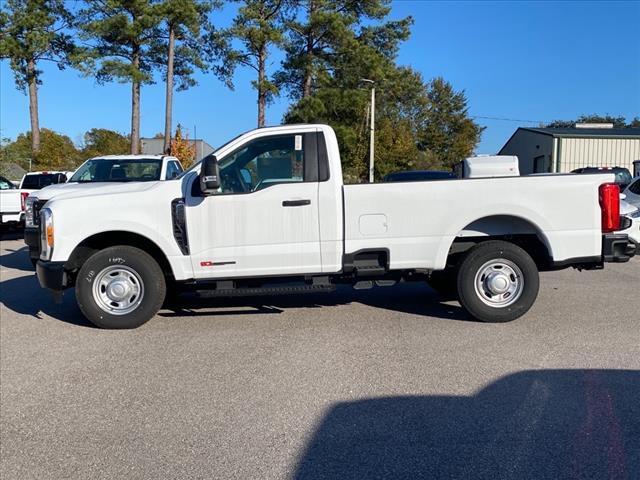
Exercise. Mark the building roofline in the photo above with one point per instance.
(606, 133)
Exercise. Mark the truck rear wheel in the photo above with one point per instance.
(120, 287)
(497, 282)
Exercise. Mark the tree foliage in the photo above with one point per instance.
(122, 35)
(257, 27)
(57, 152)
(31, 32)
(447, 132)
(315, 30)
(182, 148)
(408, 110)
(618, 122)
(179, 48)
(100, 141)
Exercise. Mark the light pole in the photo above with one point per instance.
(372, 130)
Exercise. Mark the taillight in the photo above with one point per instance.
(23, 200)
(610, 207)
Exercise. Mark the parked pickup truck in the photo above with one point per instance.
(106, 171)
(268, 213)
(11, 203)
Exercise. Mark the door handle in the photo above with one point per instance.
(295, 203)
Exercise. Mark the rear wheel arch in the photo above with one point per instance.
(510, 228)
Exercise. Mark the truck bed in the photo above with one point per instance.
(418, 221)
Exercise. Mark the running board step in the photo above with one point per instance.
(259, 291)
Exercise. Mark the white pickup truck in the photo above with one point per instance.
(268, 213)
(105, 170)
(11, 203)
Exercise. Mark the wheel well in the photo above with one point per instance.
(508, 228)
(104, 240)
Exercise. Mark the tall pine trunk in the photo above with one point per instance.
(33, 107)
(135, 107)
(308, 73)
(262, 92)
(169, 94)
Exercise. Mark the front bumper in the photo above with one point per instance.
(618, 248)
(52, 275)
(32, 239)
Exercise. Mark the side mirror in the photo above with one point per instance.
(209, 175)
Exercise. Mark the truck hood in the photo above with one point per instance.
(74, 190)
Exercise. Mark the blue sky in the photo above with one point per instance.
(535, 61)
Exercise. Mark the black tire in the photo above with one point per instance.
(444, 282)
(476, 260)
(133, 259)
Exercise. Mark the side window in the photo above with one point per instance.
(262, 163)
(635, 187)
(4, 184)
(172, 170)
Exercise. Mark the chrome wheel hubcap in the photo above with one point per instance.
(118, 290)
(499, 283)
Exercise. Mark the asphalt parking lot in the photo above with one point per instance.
(387, 383)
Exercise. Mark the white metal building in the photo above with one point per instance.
(155, 146)
(562, 150)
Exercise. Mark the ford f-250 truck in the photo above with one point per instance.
(268, 213)
(107, 169)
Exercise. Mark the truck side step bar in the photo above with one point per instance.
(259, 291)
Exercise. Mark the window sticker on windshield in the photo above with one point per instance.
(298, 142)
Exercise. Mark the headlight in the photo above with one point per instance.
(46, 234)
(28, 212)
(635, 214)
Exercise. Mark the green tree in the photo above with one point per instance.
(339, 98)
(34, 31)
(257, 27)
(618, 122)
(447, 131)
(314, 30)
(180, 48)
(122, 34)
(100, 141)
(57, 152)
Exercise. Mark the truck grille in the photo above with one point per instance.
(37, 206)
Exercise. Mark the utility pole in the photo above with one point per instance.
(372, 128)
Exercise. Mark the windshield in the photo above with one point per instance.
(41, 180)
(118, 170)
(623, 177)
(197, 164)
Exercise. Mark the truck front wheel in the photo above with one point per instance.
(120, 287)
(497, 282)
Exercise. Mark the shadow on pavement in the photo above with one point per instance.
(412, 298)
(547, 424)
(11, 233)
(17, 259)
(24, 295)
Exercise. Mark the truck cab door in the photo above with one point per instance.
(264, 220)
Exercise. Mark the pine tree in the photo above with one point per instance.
(122, 34)
(33, 31)
(180, 48)
(315, 30)
(257, 26)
